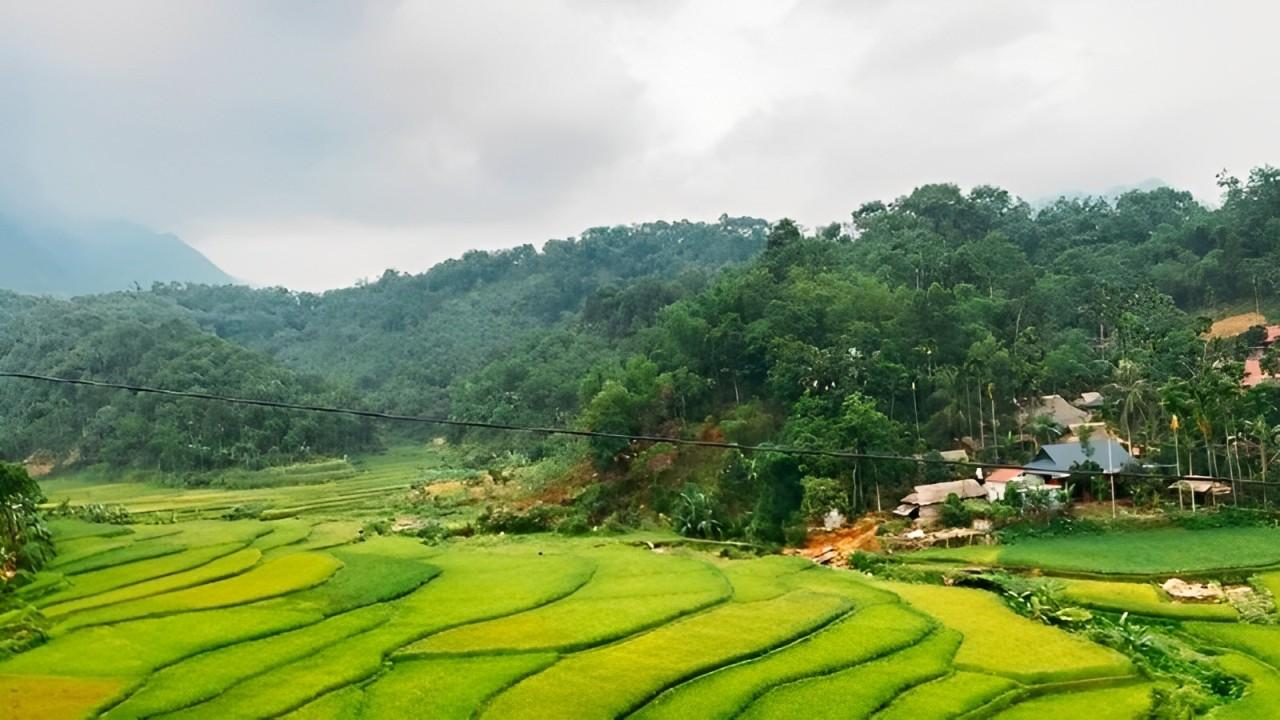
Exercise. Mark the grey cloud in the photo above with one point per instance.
(401, 133)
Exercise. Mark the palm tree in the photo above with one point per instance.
(1133, 396)
(1043, 427)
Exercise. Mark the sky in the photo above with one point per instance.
(309, 143)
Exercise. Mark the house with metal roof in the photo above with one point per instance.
(1057, 460)
(926, 501)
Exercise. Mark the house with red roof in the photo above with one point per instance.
(1253, 372)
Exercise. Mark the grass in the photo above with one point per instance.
(1163, 551)
(858, 638)
(632, 590)
(204, 676)
(85, 585)
(1260, 641)
(1263, 695)
(446, 688)
(304, 489)
(863, 689)
(54, 698)
(276, 577)
(639, 668)
(222, 567)
(118, 556)
(1001, 642)
(763, 578)
(375, 571)
(463, 593)
(344, 703)
(71, 528)
(1128, 702)
(1271, 581)
(283, 533)
(947, 697)
(1141, 599)
(141, 646)
(323, 626)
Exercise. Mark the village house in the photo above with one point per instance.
(1253, 372)
(925, 503)
(997, 482)
(1056, 408)
(1057, 461)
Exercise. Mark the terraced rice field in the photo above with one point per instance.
(294, 618)
(363, 484)
(1146, 553)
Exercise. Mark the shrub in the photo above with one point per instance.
(954, 513)
(694, 515)
(821, 496)
(537, 518)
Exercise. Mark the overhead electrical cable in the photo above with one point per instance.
(506, 427)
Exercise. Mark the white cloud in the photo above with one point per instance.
(313, 143)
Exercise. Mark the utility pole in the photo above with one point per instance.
(915, 409)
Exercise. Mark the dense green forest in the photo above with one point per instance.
(140, 339)
(920, 324)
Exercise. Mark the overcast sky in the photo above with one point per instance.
(312, 143)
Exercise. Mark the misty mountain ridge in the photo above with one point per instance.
(43, 257)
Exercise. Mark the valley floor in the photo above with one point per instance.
(303, 617)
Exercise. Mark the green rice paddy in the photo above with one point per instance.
(1164, 551)
(518, 627)
(303, 618)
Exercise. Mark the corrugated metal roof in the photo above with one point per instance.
(938, 492)
(1109, 454)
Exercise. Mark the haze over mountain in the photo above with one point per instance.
(80, 258)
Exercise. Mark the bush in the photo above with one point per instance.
(694, 515)
(821, 496)
(537, 518)
(251, 511)
(954, 513)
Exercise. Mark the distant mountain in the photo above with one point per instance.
(65, 258)
(1109, 194)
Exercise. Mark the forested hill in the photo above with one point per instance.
(923, 323)
(54, 257)
(141, 339)
(403, 340)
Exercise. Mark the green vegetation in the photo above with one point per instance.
(947, 697)
(631, 590)
(863, 636)
(1129, 702)
(204, 676)
(1260, 641)
(1263, 695)
(222, 567)
(447, 688)
(637, 669)
(863, 689)
(1144, 553)
(107, 579)
(1140, 599)
(26, 542)
(275, 577)
(388, 626)
(1000, 642)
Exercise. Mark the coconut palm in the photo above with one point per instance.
(1043, 429)
(1133, 395)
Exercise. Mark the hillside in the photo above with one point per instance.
(403, 340)
(134, 337)
(924, 324)
(60, 258)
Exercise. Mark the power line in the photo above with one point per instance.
(481, 425)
